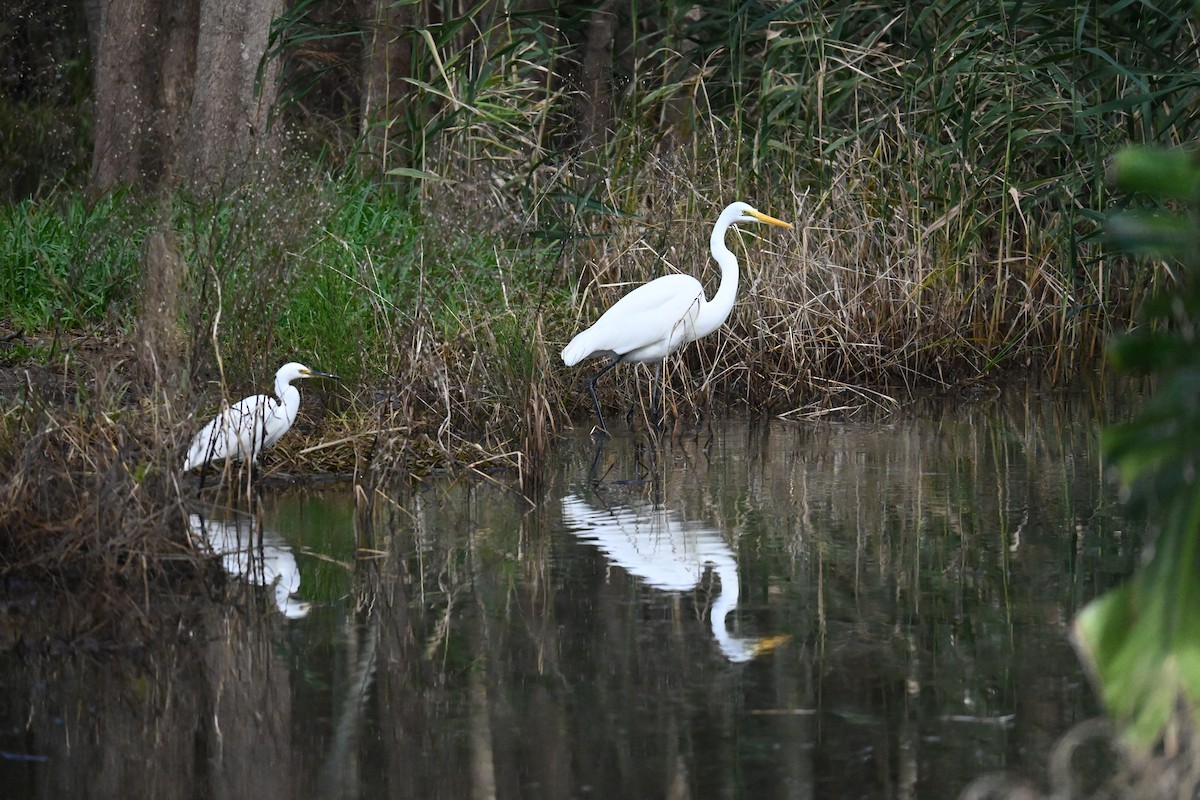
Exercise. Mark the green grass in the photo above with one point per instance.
(67, 263)
(333, 271)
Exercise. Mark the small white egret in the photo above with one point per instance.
(657, 318)
(250, 426)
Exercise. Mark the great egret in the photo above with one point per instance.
(657, 318)
(250, 426)
(670, 554)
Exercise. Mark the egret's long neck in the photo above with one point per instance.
(714, 312)
(735, 648)
(289, 399)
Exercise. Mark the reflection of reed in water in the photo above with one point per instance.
(670, 554)
(265, 562)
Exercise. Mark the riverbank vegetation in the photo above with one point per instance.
(435, 232)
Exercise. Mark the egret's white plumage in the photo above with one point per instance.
(658, 317)
(258, 555)
(671, 554)
(250, 426)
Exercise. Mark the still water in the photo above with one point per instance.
(745, 610)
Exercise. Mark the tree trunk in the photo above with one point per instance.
(230, 107)
(387, 60)
(159, 339)
(177, 100)
(93, 12)
(177, 91)
(595, 108)
(177, 71)
(126, 80)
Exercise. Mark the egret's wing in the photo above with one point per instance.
(259, 422)
(241, 430)
(656, 317)
(265, 417)
(210, 444)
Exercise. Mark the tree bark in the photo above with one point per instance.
(93, 12)
(125, 149)
(595, 108)
(387, 60)
(230, 107)
(177, 89)
(177, 71)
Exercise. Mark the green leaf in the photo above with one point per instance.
(1162, 173)
(1141, 642)
(1152, 233)
(419, 174)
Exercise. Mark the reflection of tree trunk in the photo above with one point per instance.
(483, 766)
(387, 60)
(795, 727)
(675, 762)
(249, 712)
(908, 735)
(339, 776)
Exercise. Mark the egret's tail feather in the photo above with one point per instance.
(575, 351)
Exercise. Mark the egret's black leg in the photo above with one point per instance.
(656, 397)
(595, 481)
(592, 389)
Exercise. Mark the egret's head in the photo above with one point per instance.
(294, 370)
(744, 212)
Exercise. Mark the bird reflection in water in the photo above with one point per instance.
(264, 560)
(670, 554)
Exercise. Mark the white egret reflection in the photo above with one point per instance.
(254, 554)
(669, 553)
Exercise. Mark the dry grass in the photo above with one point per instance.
(89, 505)
(856, 307)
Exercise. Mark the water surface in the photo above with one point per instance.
(741, 610)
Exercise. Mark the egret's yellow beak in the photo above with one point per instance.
(761, 217)
(769, 643)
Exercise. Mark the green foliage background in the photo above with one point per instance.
(1143, 641)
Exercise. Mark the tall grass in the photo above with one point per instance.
(88, 481)
(70, 264)
(943, 164)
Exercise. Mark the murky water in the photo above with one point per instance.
(745, 611)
